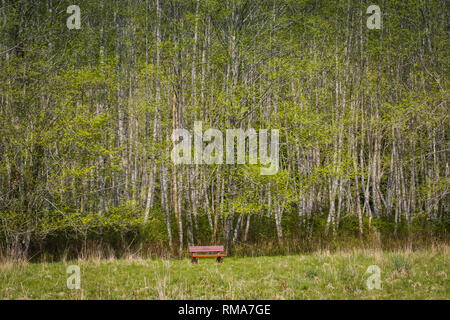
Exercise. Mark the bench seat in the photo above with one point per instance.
(207, 252)
(208, 255)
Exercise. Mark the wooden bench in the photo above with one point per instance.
(199, 252)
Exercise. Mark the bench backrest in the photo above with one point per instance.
(206, 249)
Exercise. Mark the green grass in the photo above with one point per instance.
(341, 275)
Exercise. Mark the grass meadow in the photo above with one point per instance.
(319, 275)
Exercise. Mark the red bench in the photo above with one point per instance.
(207, 252)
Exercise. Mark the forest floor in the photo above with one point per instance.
(320, 275)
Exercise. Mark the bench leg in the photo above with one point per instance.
(194, 260)
(219, 259)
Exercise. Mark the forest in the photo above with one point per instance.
(87, 111)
